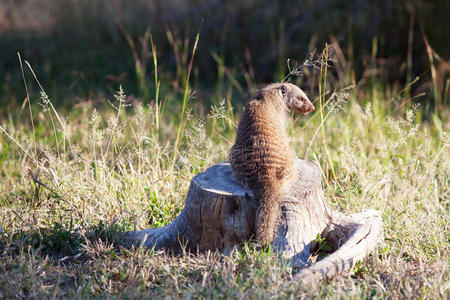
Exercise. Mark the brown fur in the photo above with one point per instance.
(261, 158)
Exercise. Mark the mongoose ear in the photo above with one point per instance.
(258, 95)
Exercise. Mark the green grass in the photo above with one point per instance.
(72, 183)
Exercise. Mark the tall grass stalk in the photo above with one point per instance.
(120, 97)
(434, 78)
(49, 102)
(27, 99)
(45, 103)
(139, 62)
(182, 116)
(157, 84)
(332, 109)
(322, 94)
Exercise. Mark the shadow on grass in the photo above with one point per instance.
(60, 240)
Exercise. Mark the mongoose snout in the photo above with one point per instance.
(261, 158)
(306, 106)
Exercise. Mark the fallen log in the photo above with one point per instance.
(219, 214)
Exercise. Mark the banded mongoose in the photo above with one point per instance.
(261, 158)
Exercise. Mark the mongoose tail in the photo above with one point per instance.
(267, 215)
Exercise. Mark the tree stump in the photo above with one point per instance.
(219, 214)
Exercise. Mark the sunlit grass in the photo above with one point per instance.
(68, 188)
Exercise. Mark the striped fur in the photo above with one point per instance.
(261, 158)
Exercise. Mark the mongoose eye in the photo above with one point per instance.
(283, 90)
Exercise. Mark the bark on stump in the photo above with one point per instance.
(219, 214)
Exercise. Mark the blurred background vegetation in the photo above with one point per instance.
(81, 50)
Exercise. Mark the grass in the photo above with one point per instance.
(71, 184)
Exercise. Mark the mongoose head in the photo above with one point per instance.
(289, 95)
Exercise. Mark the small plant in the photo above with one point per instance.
(322, 248)
(360, 269)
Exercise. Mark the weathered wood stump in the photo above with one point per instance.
(219, 214)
